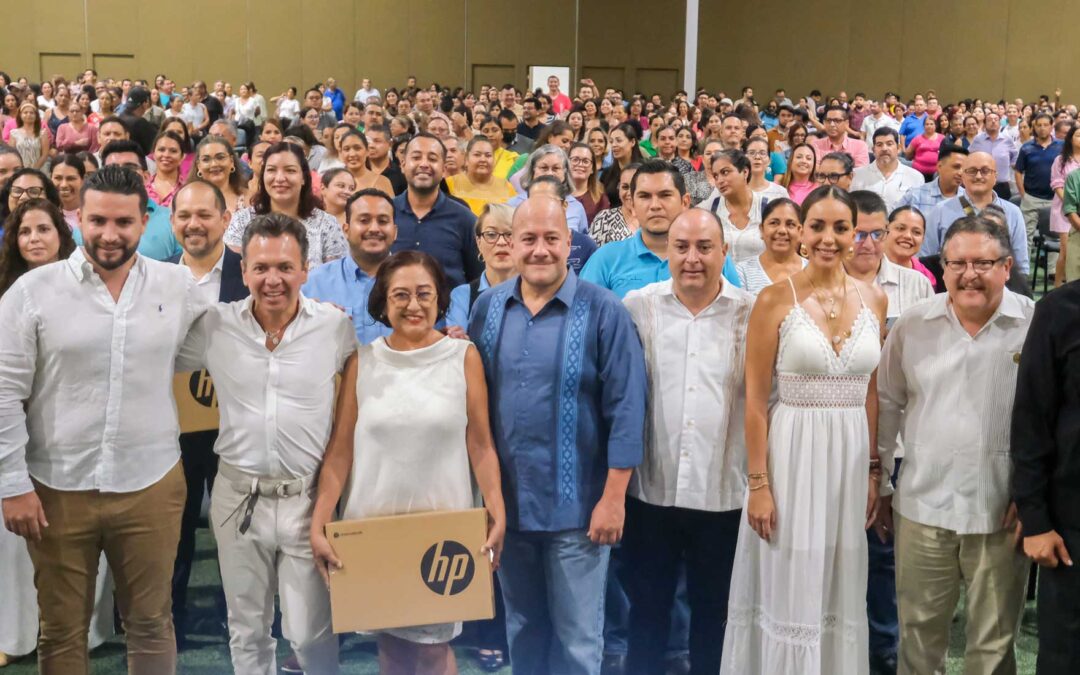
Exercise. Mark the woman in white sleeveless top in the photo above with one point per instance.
(798, 588)
(737, 206)
(411, 421)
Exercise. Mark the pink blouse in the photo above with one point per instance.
(917, 265)
(67, 137)
(799, 190)
(926, 153)
(1058, 173)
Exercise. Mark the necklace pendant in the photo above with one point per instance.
(832, 315)
(836, 339)
(275, 339)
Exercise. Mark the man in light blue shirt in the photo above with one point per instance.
(659, 194)
(979, 176)
(566, 379)
(347, 282)
(912, 125)
(947, 184)
(158, 241)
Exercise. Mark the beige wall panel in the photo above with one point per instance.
(18, 49)
(1036, 33)
(58, 27)
(114, 25)
(383, 41)
(219, 44)
(632, 34)
(327, 52)
(876, 27)
(275, 51)
(436, 41)
(165, 31)
(501, 32)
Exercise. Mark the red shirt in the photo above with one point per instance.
(560, 103)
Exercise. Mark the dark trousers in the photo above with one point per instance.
(881, 590)
(1003, 190)
(656, 539)
(1059, 613)
(200, 468)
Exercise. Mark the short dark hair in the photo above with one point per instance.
(834, 108)
(273, 225)
(68, 159)
(507, 114)
(843, 158)
(116, 180)
(532, 99)
(377, 298)
(979, 224)
(869, 202)
(114, 119)
(658, 166)
(219, 198)
(949, 149)
(903, 209)
(424, 134)
(366, 192)
(885, 131)
(1041, 116)
(379, 129)
(123, 147)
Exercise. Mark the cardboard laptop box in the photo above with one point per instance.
(410, 570)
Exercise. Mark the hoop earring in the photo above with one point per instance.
(803, 252)
(199, 174)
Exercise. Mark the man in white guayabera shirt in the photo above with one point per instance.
(946, 382)
(273, 358)
(89, 457)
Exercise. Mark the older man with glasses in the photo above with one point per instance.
(979, 176)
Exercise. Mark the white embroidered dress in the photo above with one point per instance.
(798, 603)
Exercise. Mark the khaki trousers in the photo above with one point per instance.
(138, 531)
(931, 565)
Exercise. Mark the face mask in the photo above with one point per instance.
(509, 136)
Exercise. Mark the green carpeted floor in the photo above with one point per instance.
(208, 652)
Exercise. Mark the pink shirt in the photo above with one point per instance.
(67, 137)
(799, 190)
(1058, 173)
(917, 265)
(560, 103)
(852, 146)
(926, 152)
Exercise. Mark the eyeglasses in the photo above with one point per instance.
(876, 235)
(984, 172)
(493, 237)
(833, 178)
(32, 192)
(403, 298)
(581, 161)
(980, 266)
(757, 153)
(834, 120)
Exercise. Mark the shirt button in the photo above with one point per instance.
(530, 322)
(524, 352)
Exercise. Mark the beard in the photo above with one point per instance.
(95, 254)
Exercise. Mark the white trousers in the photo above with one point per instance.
(18, 599)
(272, 556)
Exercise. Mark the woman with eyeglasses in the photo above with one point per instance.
(493, 232)
(904, 238)
(26, 184)
(781, 228)
(386, 461)
(799, 177)
(216, 163)
(583, 177)
(617, 222)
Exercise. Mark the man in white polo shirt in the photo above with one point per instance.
(886, 175)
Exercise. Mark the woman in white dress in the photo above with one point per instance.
(798, 588)
(737, 206)
(412, 419)
(781, 227)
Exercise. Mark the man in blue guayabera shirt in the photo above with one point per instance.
(566, 376)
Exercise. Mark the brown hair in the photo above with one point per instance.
(378, 297)
(12, 264)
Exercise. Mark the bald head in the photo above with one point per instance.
(542, 208)
(540, 244)
(696, 253)
(979, 174)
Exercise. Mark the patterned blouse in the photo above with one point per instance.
(608, 226)
(326, 241)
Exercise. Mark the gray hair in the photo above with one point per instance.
(540, 153)
(985, 224)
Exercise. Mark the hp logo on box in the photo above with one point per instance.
(447, 568)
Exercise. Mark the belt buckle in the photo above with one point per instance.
(280, 490)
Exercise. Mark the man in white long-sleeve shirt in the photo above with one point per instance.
(946, 382)
(273, 358)
(89, 457)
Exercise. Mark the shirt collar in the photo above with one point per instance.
(218, 266)
(83, 269)
(565, 294)
(888, 273)
(352, 271)
(440, 199)
(640, 249)
(1009, 307)
(307, 306)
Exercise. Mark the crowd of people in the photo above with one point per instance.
(744, 387)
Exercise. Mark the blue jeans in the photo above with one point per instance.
(553, 587)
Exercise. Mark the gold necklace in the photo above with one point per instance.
(831, 314)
